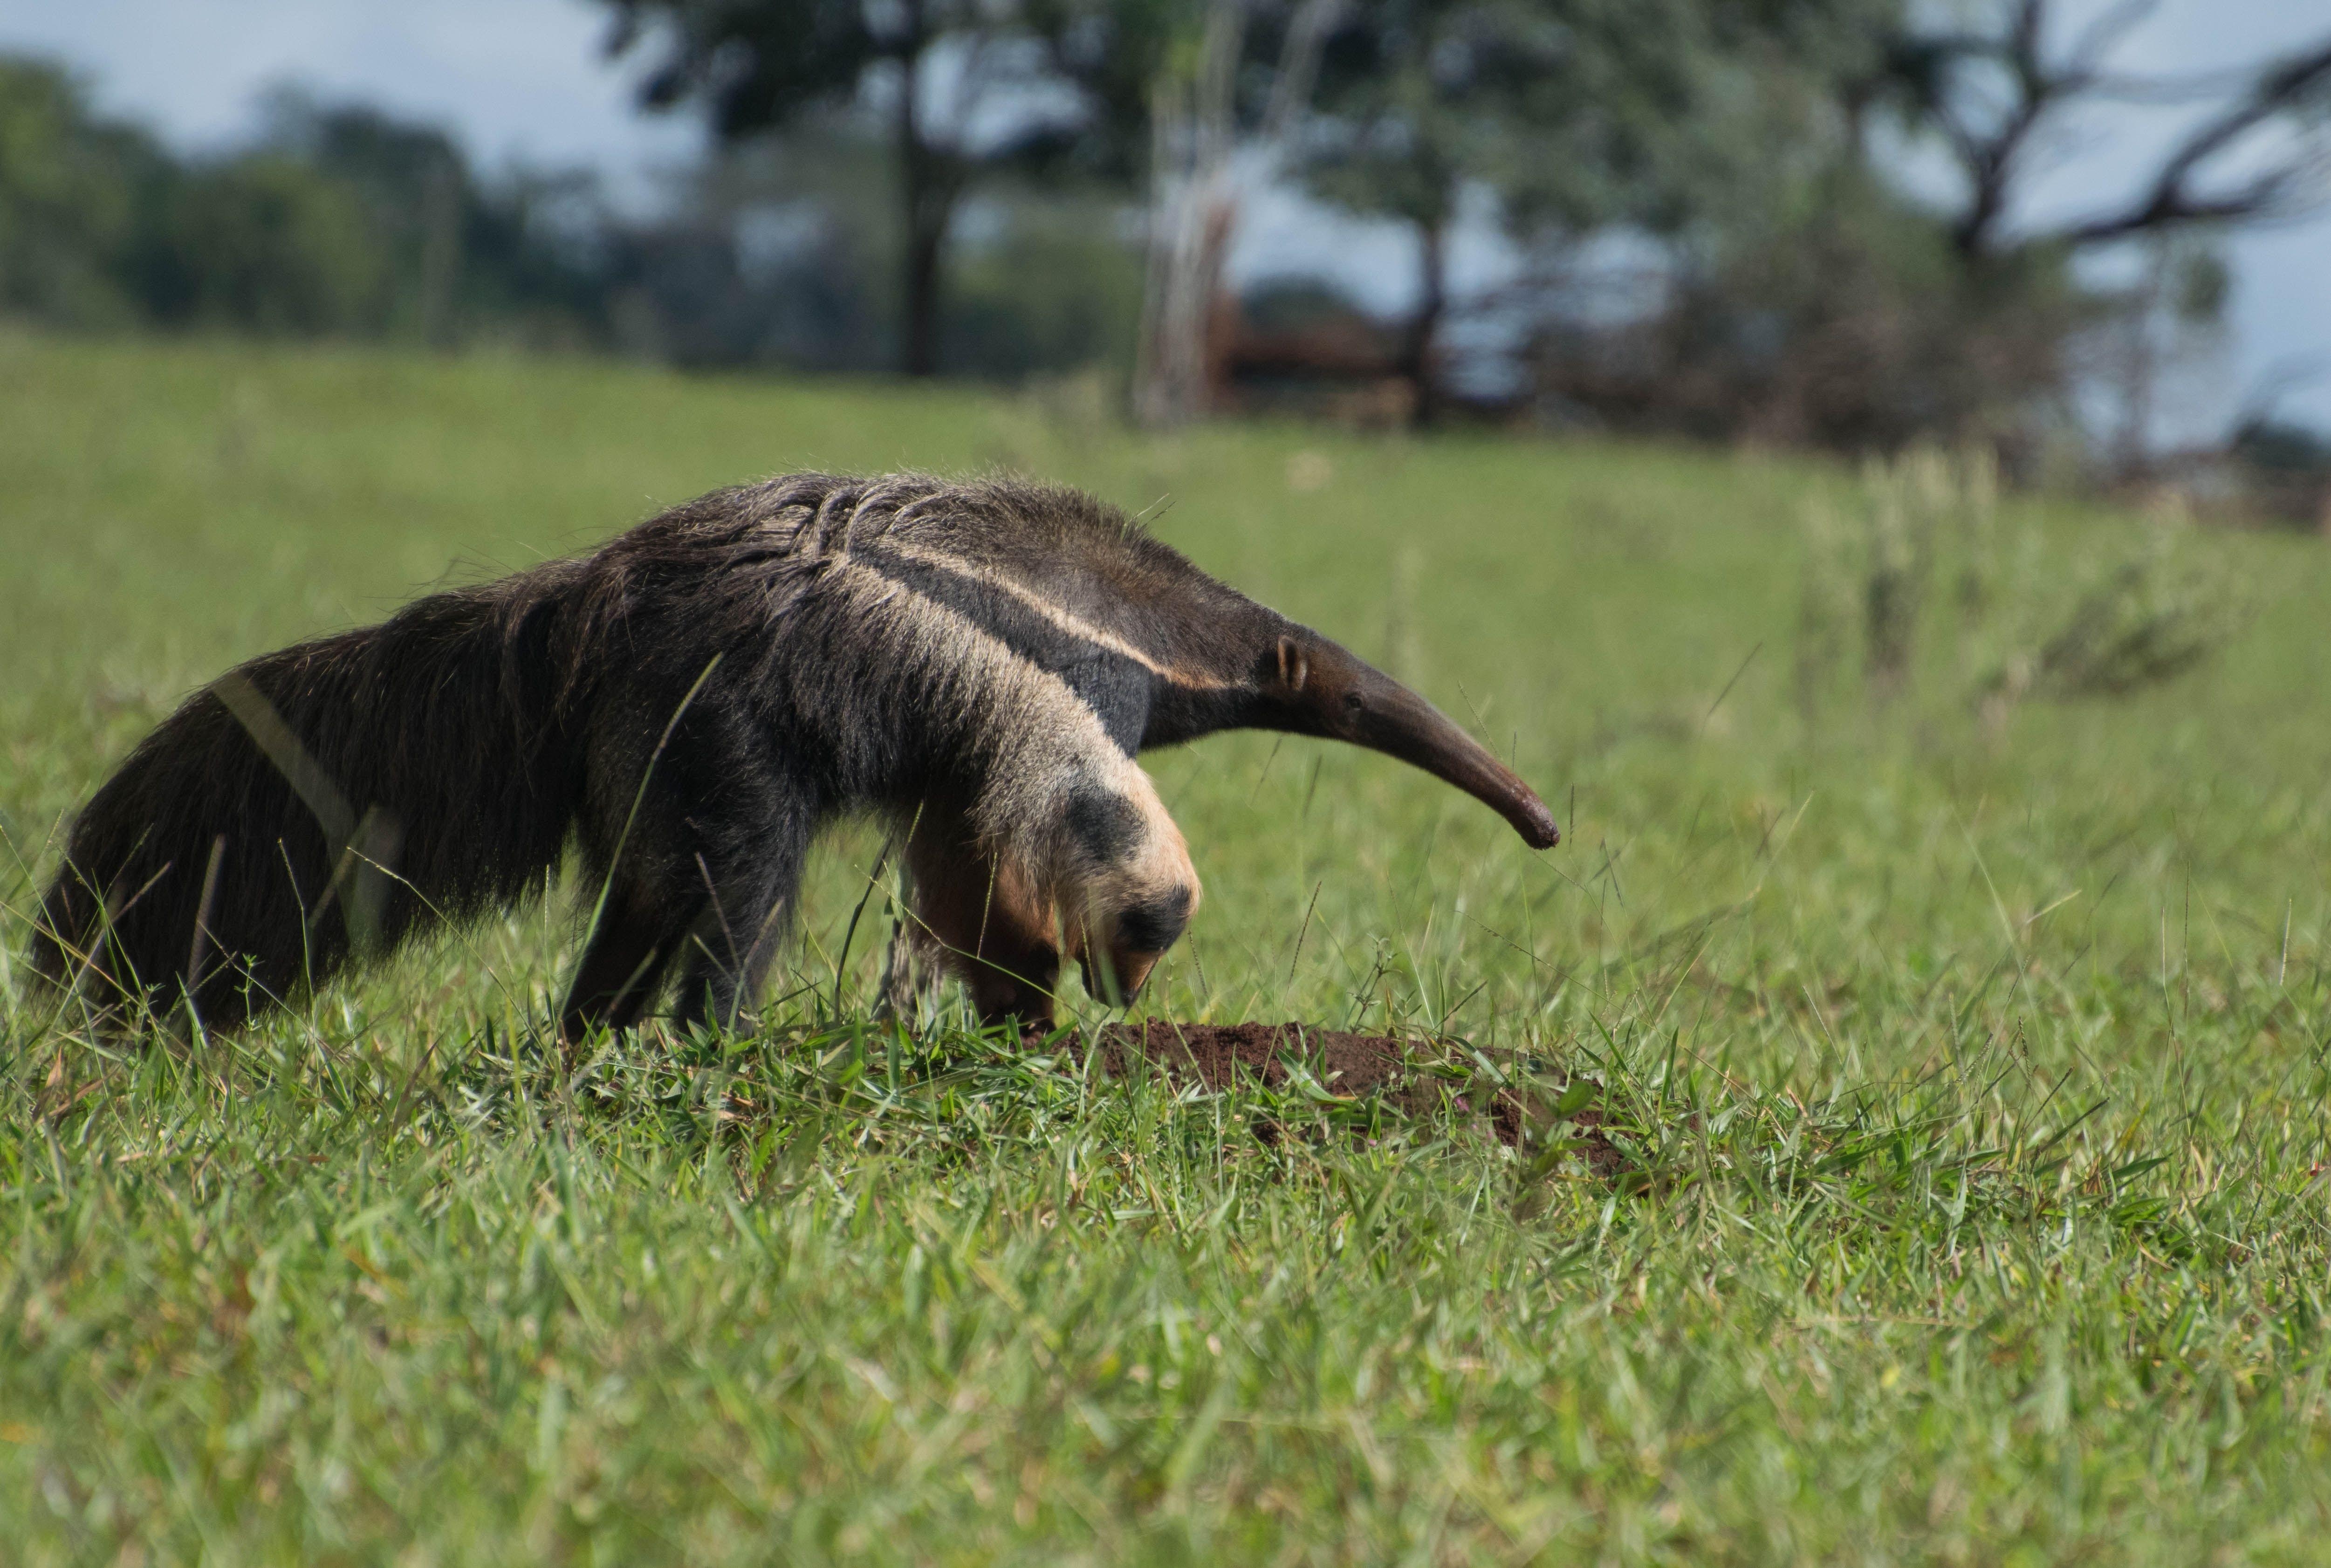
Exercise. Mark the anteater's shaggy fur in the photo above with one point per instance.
(980, 663)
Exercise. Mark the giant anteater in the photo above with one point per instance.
(980, 663)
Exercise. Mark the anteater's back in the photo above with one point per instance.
(359, 787)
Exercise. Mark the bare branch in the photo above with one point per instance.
(1299, 64)
(2174, 199)
(2163, 92)
(1991, 159)
(2105, 34)
(1994, 149)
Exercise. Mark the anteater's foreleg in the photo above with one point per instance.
(624, 966)
(992, 930)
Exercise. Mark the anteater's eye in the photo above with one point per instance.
(1352, 701)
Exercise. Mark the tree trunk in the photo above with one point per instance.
(1194, 198)
(1192, 208)
(2140, 376)
(441, 253)
(1424, 322)
(920, 345)
(927, 200)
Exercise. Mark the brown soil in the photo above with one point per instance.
(1344, 1064)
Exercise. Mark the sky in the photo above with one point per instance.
(528, 80)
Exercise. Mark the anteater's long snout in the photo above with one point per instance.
(1396, 721)
(1333, 692)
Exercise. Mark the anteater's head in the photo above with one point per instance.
(1305, 684)
(1125, 888)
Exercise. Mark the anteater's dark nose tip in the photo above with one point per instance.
(1537, 827)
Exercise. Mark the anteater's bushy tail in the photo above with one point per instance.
(342, 794)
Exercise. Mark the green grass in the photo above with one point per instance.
(1970, 1082)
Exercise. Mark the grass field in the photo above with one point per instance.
(1969, 1075)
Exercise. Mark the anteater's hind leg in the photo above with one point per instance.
(623, 968)
(745, 890)
(991, 928)
(706, 828)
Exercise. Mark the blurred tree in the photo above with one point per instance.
(519, 254)
(1791, 294)
(267, 243)
(2285, 468)
(779, 248)
(1770, 285)
(1994, 87)
(1991, 85)
(1553, 105)
(1230, 89)
(1804, 296)
(1049, 291)
(967, 87)
(338, 219)
(2171, 317)
(415, 190)
(78, 199)
(776, 250)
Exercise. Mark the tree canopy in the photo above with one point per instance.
(1707, 198)
(965, 87)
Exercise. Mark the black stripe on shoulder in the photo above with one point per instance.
(1116, 689)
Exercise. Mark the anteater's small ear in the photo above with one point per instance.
(1293, 669)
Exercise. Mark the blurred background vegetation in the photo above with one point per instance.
(1797, 223)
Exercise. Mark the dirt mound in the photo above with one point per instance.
(1344, 1064)
(1354, 1065)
